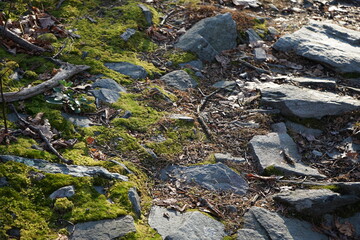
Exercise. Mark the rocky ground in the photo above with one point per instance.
(181, 120)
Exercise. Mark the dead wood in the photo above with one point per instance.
(22, 42)
(67, 70)
(259, 70)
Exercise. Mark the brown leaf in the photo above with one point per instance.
(90, 140)
(345, 228)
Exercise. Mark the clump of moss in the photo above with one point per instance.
(47, 37)
(178, 57)
(272, 170)
(63, 205)
(333, 188)
(30, 74)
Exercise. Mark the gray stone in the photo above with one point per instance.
(196, 64)
(13, 118)
(73, 170)
(304, 131)
(108, 84)
(279, 127)
(215, 177)
(305, 103)
(249, 234)
(260, 54)
(327, 43)
(351, 188)
(208, 37)
(221, 157)
(274, 150)
(105, 95)
(135, 201)
(127, 34)
(3, 182)
(123, 166)
(179, 79)
(272, 226)
(173, 225)
(326, 83)
(107, 229)
(77, 120)
(272, 31)
(314, 202)
(181, 117)
(100, 189)
(147, 13)
(128, 69)
(224, 84)
(67, 191)
(253, 37)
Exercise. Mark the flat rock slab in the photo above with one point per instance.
(105, 95)
(326, 43)
(215, 177)
(305, 131)
(272, 226)
(128, 69)
(305, 103)
(179, 79)
(73, 170)
(107, 229)
(108, 84)
(315, 202)
(67, 191)
(208, 37)
(80, 121)
(173, 225)
(326, 83)
(274, 150)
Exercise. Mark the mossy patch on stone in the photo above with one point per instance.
(272, 170)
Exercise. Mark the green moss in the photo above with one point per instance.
(142, 116)
(23, 148)
(79, 154)
(178, 57)
(333, 188)
(47, 37)
(30, 74)
(272, 170)
(63, 205)
(143, 231)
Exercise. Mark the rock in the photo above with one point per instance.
(105, 95)
(123, 166)
(304, 131)
(127, 114)
(260, 54)
(3, 182)
(67, 191)
(279, 127)
(196, 65)
(249, 234)
(326, 83)
(215, 177)
(147, 13)
(77, 120)
(179, 79)
(135, 201)
(100, 190)
(273, 32)
(253, 37)
(127, 34)
(14, 233)
(173, 225)
(108, 84)
(247, 3)
(208, 37)
(128, 69)
(314, 202)
(220, 157)
(351, 188)
(274, 150)
(181, 117)
(305, 103)
(107, 229)
(326, 43)
(224, 84)
(272, 226)
(13, 118)
(73, 170)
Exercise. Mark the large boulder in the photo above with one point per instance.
(208, 37)
(279, 151)
(215, 177)
(272, 226)
(326, 43)
(305, 103)
(107, 229)
(173, 225)
(315, 202)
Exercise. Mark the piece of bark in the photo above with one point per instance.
(67, 70)
(22, 42)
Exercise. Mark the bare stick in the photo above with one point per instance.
(259, 70)
(43, 137)
(22, 42)
(67, 70)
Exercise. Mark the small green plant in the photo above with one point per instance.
(65, 95)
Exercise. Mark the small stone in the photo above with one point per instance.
(127, 114)
(279, 127)
(77, 120)
(100, 189)
(108, 84)
(304, 131)
(105, 95)
(253, 37)
(14, 233)
(196, 64)
(224, 84)
(135, 201)
(3, 182)
(317, 153)
(179, 79)
(147, 13)
(221, 157)
(127, 34)
(67, 191)
(181, 117)
(128, 69)
(260, 54)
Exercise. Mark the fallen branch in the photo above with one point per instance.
(22, 42)
(43, 137)
(259, 70)
(67, 70)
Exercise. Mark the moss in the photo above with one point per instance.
(23, 148)
(272, 170)
(30, 74)
(234, 237)
(142, 116)
(143, 231)
(178, 57)
(63, 205)
(47, 37)
(79, 154)
(333, 188)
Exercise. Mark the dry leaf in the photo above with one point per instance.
(345, 228)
